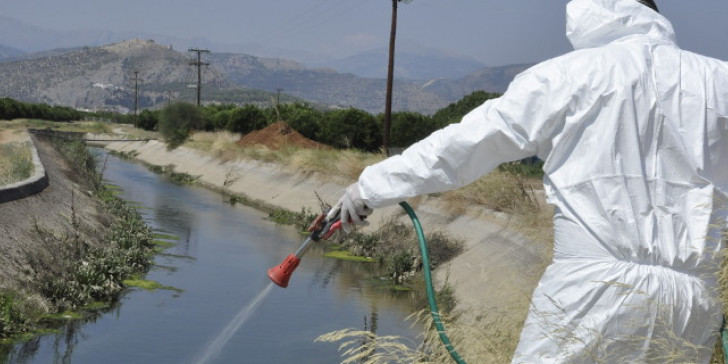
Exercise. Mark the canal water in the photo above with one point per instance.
(218, 268)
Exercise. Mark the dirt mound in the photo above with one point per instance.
(278, 135)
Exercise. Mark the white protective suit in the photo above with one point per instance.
(634, 135)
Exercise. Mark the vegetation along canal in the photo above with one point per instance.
(216, 267)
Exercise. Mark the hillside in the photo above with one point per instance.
(103, 78)
(8, 52)
(100, 77)
(325, 86)
(490, 79)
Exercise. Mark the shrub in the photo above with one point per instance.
(351, 128)
(177, 121)
(148, 120)
(409, 128)
(246, 119)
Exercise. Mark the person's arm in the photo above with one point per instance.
(515, 126)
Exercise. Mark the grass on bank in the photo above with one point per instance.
(507, 189)
(95, 127)
(16, 162)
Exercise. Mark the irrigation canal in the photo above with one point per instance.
(218, 266)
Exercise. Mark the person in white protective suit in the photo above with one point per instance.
(633, 132)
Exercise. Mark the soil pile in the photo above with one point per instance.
(278, 135)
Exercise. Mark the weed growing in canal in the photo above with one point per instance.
(300, 220)
(12, 320)
(76, 273)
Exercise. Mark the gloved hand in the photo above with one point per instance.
(350, 209)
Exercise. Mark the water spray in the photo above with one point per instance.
(322, 229)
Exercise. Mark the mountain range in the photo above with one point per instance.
(95, 69)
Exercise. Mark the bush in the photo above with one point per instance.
(303, 119)
(351, 128)
(177, 121)
(12, 321)
(454, 112)
(148, 120)
(246, 119)
(409, 128)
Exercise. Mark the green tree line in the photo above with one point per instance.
(13, 109)
(342, 128)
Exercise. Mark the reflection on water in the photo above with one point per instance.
(231, 249)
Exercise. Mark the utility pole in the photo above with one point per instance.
(199, 65)
(390, 79)
(136, 95)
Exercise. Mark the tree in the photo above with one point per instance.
(455, 111)
(303, 118)
(246, 119)
(177, 121)
(148, 120)
(351, 128)
(409, 128)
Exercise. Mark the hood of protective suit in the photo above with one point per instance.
(594, 23)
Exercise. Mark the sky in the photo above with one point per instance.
(492, 32)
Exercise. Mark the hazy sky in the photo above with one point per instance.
(493, 32)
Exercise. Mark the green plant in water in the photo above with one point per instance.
(12, 321)
(401, 263)
(300, 220)
(345, 255)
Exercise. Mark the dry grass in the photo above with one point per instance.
(16, 162)
(492, 338)
(494, 335)
(130, 132)
(222, 145)
(521, 199)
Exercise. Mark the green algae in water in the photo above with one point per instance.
(162, 244)
(160, 236)
(63, 316)
(345, 255)
(148, 285)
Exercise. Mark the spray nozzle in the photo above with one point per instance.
(320, 228)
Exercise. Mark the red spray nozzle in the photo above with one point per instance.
(320, 229)
(281, 273)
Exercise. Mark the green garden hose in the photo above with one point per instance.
(428, 281)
